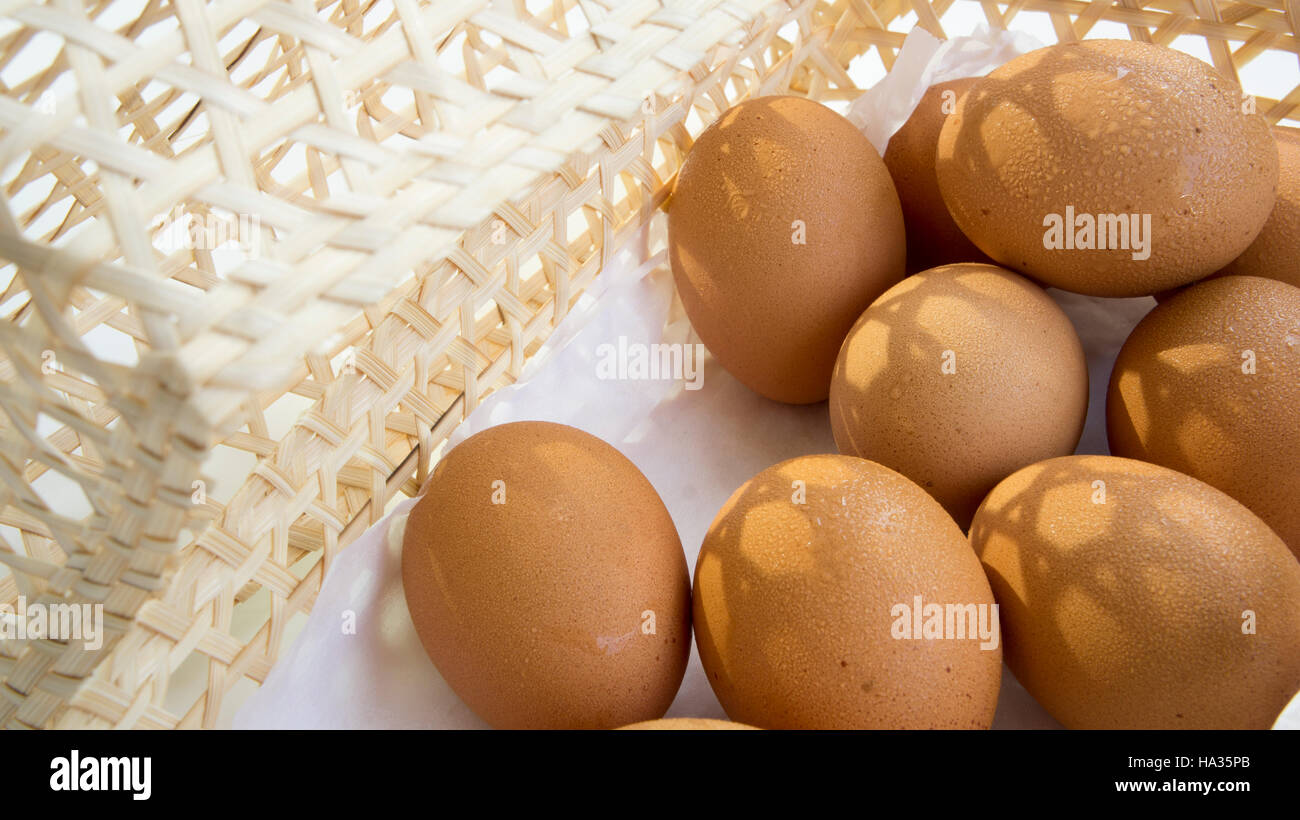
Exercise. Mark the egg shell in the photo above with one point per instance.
(1208, 384)
(1108, 129)
(547, 582)
(687, 724)
(957, 377)
(933, 238)
(782, 227)
(1275, 253)
(1127, 591)
(795, 593)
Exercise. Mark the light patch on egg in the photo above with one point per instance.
(1129, 385)
(711, 586)
(1095, 650)
(793, 524)
(934, 314)
(872, 335)
(1189, 359)
(1073, 502)
(1193, 429)
(1079, 112)
(1003, 552)
(1000, 153)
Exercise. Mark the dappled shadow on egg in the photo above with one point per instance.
(783, 225)
(1044, 111)
(889, 377)
(766, 577)
(1191, 393)
(1048, 542)
(1160, 411)
(737, 200)
(723, 574)
(1102, 135)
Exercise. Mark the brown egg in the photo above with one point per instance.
(932, 237)
(782, 227)
(1108, 167)
(1135, 597)
(547, 582)
(957, 377)
(687, 724)
(806, 595)
(1275, 253)
(1209, 384)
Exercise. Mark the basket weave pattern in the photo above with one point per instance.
(433, 184)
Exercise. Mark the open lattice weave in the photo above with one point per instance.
(358, 216)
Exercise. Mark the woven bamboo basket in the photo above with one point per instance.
(430, 185)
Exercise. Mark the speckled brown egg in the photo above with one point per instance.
(1209, 384)
(933, 238)
(782, 227)
(1108, 167)
(547, 582)
(808, 586)
(957, 377)
(687, 725)
(1136, 597)
(1275, 253)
